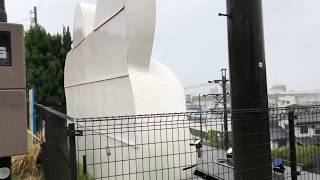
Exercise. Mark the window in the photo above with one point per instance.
(5, 49)
(304, 129)
(317, 131)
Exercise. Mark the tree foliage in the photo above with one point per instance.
(45, 60)
(216, 139)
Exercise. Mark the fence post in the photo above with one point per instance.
(84, 160)
(292, 140)
(46, 165)
(73, 152)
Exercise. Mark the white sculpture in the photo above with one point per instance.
(110, 72)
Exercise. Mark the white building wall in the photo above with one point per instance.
(310, 133)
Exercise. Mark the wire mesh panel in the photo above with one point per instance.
(164, 146)
(194, 145)
(297, 152)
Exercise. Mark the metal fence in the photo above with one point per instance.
(58, 157)
(194, 145)
(177, 145)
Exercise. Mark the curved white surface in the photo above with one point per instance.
(157, 90)
(110, 72)
(83, 23)
(106, 10)
(141, 20)
(111, 63)
(101, 56)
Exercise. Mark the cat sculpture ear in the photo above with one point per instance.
(106, 10)
(141, 30)
(83, 23)
(140, 26)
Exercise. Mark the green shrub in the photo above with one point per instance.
(305, 155)
(216, 139)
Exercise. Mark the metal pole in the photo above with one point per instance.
(292, 142)
(84, 162)
(73, 151)
(225, 113)
(200, 109)
(3, 13)
(251, 136)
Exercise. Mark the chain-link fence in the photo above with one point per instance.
(196, 145)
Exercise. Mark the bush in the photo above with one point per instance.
(305, 155)
(216, 139)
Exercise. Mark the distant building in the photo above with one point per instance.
(284, 99)
(307, 127)
(278, 97)
(279, 88)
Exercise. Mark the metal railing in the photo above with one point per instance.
(193, 145)
(59, 144)
(177, 145)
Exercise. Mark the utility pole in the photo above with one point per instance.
(3, 13)
(34, 18)
(223, 84)
(225, 110)
(251, 134)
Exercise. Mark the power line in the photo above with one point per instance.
(40, 3)
(22, 20)
(33, 14)
(196, 86)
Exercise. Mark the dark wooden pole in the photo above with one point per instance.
(251, 138)
(3, 13)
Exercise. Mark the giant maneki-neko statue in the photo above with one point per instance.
(110, 72)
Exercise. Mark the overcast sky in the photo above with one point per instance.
(192, 40)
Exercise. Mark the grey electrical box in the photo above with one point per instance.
(13, 105)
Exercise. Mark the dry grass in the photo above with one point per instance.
(25, 167)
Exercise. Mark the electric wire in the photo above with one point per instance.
(196, 86)
(21, 20)
(40, 4)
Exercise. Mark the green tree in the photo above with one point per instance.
(45, 60)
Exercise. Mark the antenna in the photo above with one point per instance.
(3, 13)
